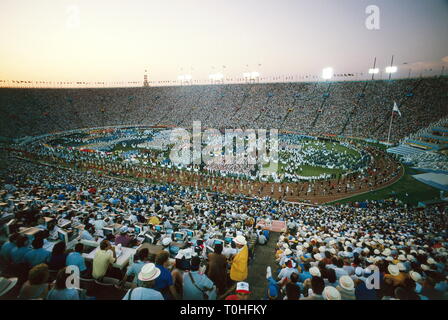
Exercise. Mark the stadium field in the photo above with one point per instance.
(407, 189)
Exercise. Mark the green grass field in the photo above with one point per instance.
(309, 170)
(416, 191)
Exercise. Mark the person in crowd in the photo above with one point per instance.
(140, 259)
(123, 238)
(346, 288)
(164, 283)
(75, 258)
(394, 276)
(146, 281)
(18, 253)
(182, 264)
(238, 269)
(217, 268)
(317, 287)
(58, 256)
(87, 232)
(37, 286)
(331, 293)
(262, 240)
(62, 289)
(38, 255)
(197, 286)
(7, 248)
(292, 292)
(330, 279)
(104, 257)
(242, 292)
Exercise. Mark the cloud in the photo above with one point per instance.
(445, 59)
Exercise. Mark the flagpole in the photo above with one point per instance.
(390, 126)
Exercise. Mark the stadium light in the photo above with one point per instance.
(327, 73)
(374, 70)
(391, 69)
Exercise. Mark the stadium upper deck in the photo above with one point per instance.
(360, 109)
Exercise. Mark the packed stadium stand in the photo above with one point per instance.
(135, 232)
(359, 108)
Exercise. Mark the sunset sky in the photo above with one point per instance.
(116, 40)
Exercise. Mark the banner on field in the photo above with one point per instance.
(272, 225)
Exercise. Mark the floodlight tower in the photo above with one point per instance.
(327, 73)
(391, 69)
(373, 71)
(145, 79)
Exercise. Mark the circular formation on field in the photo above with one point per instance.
(302, 168)
(299, 157)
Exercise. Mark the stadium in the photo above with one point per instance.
(310, 187)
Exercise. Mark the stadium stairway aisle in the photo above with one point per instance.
(264, 256)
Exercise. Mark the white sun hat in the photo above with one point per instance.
(318, 256)
(241, 240)
(315, 272)
(346, 282)
(415, 276)
(331, 293)
(370, 260)
(149, 272)
(431, 261)
(393, 270)
(401, 266)
(424, 267)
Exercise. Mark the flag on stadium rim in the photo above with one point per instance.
(396, 109)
